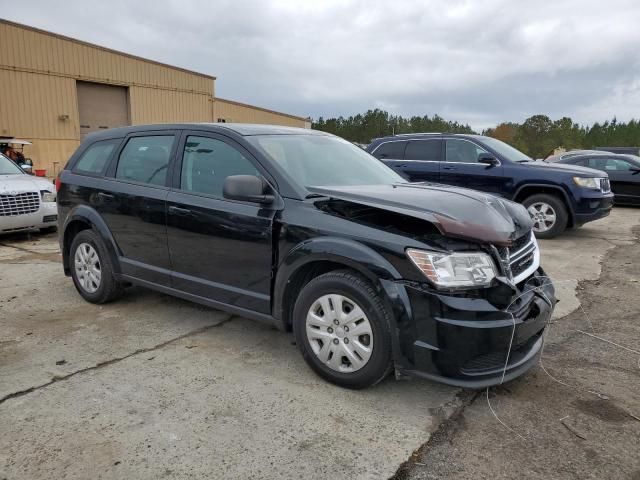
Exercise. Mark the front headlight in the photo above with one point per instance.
(473, 269)
(48, 196)
(587, 182)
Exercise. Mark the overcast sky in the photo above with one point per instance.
(478, 62)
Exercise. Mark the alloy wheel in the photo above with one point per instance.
(87, 266)
(543, 216)
(339, 333)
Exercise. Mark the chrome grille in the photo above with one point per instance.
(521, 259)
(605, 185)
(19, 204)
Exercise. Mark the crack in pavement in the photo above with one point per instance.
(112, 361)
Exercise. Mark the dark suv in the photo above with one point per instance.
(305, 231)
(556, 196)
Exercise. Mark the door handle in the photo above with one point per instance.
(179, 211)
(449, 168)
(105, 196)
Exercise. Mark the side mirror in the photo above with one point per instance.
(488, 159)
(26, 167)
(247, 188)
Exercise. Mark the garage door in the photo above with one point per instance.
(101, 107)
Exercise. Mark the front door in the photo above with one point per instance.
(625, 181)
(220, 249)
(461, 167)
(134, 204)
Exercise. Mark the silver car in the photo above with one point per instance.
(26, 202)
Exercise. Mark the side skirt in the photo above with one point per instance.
(242, 312)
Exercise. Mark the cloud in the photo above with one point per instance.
(476, 62)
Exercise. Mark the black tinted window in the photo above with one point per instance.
(94, 159)
(462, 151)
(610, 164)
(390, 150)
(423, 150)
(207, 162)
(145, 159)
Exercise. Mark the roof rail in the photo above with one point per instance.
(418, 133)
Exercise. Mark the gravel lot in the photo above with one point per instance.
(153, 387)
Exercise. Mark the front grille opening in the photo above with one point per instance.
(19, 204)
(493, 362)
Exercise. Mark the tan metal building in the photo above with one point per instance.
(56, 89)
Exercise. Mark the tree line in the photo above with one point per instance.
(537, 136)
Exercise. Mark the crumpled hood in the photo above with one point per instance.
(456, 212)
(24, 183)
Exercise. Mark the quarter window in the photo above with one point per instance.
(462, 151)
(207, 162)
(94, 159)
(423, 150)
(146, 159)
(390, 150)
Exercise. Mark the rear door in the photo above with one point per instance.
(220, 249)
(392, 154)
(460, 167)
(422, 160)
(133, 203)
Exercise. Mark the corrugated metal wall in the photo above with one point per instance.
(162, 106)
(33, 50)
(237, 112)
(38, 97)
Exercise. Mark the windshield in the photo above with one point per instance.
(505, 150)
(321, 161)
(7, 167)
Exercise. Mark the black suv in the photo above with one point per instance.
(305, 231)
(556, 196)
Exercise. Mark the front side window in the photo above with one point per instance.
(462, 151)
(146, 159)
(390, 150)
(207, 162)
(94, 159)
(610, 164)
(324, 160)
(424, 150)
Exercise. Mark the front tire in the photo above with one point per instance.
(91, 269)
(548, 213)
(341, 326)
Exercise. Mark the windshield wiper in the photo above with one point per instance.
(315, 195)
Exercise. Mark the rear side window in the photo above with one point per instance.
(207, 162)
(390, 150)
(146, 159)
(94, 159)
(423, 150)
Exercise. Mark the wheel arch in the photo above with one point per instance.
(525, 191)
(318, 256)
(84, 218)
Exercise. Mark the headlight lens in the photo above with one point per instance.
(48, 196)
(587, 182)
(474, 269)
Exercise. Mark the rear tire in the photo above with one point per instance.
(350, 344)
(549, 215)
(91, 269)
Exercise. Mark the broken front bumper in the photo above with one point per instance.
(468, 341)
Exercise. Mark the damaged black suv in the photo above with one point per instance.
(307, 232)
